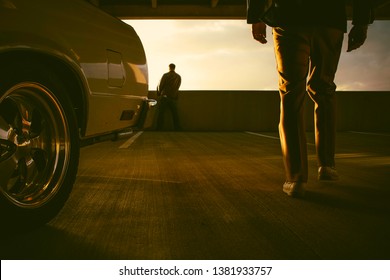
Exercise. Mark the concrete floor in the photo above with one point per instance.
(194, 195)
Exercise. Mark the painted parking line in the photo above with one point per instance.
(262, 135)
(271, 137)
(369, 133)
(129, 142)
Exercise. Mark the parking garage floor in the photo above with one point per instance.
(216, 195)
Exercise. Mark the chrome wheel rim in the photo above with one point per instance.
(34, 145)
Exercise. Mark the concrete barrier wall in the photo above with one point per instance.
(259, 111)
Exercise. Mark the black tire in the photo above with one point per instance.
(39, 146)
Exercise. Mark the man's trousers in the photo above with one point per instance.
(307, 60)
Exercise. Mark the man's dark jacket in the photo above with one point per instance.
(327, 13)
(169, 85)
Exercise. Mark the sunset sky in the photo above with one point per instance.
(221, 55)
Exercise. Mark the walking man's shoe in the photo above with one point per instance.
(326, 173)
(294, 189)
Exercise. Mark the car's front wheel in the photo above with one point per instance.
(39, 147)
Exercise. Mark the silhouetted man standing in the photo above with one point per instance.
(168, 91)
(308, 36)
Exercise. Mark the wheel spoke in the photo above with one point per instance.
(24, 188)
(8, 162)
(7, 175)
(4, 128)
(23, 121)
(30, 171)
(41, 148)
(40, 139)
(7, 147)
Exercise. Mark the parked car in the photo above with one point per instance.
(69, 72)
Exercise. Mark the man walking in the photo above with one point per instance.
(308, 38)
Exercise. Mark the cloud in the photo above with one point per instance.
(214, 55)
(368, 68)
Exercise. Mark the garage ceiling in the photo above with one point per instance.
(193, 9)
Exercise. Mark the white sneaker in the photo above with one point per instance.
(294, 189)
(327, 173)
